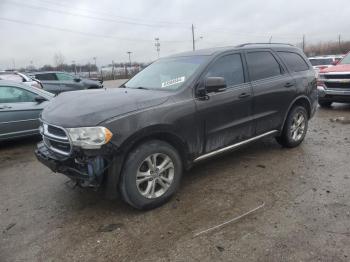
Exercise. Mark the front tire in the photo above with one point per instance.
(151, 175)
(295, 128)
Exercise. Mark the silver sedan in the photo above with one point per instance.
(20, 107)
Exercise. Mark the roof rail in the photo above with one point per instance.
(242, 45)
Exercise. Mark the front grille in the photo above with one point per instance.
(56, 131)
(335, 76)
(338, 85)
(56, 139)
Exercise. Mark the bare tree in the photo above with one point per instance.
(58, 60)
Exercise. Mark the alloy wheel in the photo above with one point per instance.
(298, 127)
(155, 175)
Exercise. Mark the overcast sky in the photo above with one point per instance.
(34, 30)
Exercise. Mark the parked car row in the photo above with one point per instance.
(23, 97)
(58, 82)
(53, 82)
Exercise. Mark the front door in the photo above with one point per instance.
(226, 115)
(19, 112)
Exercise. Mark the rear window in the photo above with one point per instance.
(262, 64)
(321, 61)
(46, 77)
(64, 77)
(294, 61)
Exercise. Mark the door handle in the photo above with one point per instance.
(244, 95)
(288, 85)
(5, 107)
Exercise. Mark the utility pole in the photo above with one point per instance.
(270, 41)
(157, 45)
(113, 69)
(95, 62)
(129, 53)
(339, 42)
(193, 42)
(75, 67)
(304, 43)
(89, 69)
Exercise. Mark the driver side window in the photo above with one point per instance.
(10, 94)
(229, 67)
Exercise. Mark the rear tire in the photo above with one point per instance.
(295, 128)
(325, 104)
(151, 175)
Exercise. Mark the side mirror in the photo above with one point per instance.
(77, 79)
(40, 99)
(214, 84)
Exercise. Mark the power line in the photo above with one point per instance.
(103, 12)
(86, 16)
(83, 33)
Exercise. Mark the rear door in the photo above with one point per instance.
(19, 112)
(226, 116)
(50, 82)
(273, 89)
(67, 82)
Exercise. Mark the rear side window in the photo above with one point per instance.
(294, 61)
(64, 77)
(46, 77)
(229, 67)
(262, 64)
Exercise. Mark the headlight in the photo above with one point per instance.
(89, 137)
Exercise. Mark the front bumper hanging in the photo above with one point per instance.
(87, 170)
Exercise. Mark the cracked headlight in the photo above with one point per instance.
(89, 137)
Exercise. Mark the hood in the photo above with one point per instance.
(91, 107)
(337, 68)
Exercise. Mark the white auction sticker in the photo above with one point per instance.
(173, 81)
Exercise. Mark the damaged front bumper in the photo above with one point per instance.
(87, 170)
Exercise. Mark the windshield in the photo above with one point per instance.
(166, 74)
(346, 60)
(321, 61)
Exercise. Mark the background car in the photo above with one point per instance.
(322, 62)
(58, 82)
(20, 78)
(334, 83)
(20, 107)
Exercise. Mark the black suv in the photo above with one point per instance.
(180, 110)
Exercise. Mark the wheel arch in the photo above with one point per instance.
(163, 133)
(302, 101)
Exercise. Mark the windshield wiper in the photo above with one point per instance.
(141, 87)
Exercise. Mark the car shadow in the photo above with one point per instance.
(19, 142)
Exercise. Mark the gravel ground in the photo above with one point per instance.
(304, 192)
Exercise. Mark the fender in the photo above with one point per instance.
(157, 131)
(302, 97)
